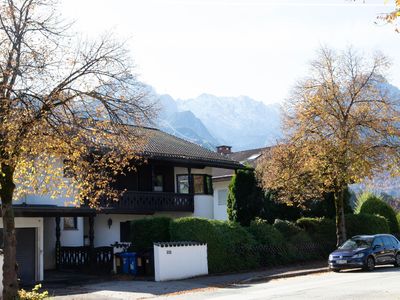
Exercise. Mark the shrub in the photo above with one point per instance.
(365, 224)
(376, 206)
(286, 228)
(245, 199)
(361, 198)
(265, 233)
(229, 245)
(34, 294)
(144, 232)
(321, 230)
(398, 219)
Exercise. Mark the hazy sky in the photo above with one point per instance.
(234, 47)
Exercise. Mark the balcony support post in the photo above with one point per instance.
(190, 179)
(58, 243)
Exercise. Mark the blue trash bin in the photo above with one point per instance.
(129, 263)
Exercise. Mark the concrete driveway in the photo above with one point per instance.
(133, 289)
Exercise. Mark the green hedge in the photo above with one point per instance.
(365, 224)
(376, 206)
(143, 232)
(265, 234)
(230, 246)
(398, 219)
(322, 230)
(286, 228)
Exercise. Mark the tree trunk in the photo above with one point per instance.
(10, 281)
(340, 221)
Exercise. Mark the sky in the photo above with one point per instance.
(256, 48)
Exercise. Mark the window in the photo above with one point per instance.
(395, 242)
(202, 184)
(158, 183)
(209, 185)
(378, 241)
(222, 196)
(183, 184)
(70, 223)
(198, 184)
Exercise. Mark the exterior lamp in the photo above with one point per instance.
(109, 223)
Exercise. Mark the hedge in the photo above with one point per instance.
(230, 247)
(144, 232)
(265, 234)
(376, 206)
(323, 230)
(286, 228)
(398, 219)
(365, 224)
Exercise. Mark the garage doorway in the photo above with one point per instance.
(26, 254)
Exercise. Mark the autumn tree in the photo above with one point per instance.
(61, 99)
(340, 126)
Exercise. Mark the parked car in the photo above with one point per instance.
(366, 251)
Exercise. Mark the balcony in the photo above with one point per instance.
(150, 202)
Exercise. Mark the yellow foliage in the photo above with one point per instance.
(34, 294)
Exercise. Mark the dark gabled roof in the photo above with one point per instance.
(248, 158)
(163, 146)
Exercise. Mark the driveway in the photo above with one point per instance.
(133, 289)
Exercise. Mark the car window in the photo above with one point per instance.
(355, 243)
(394, 241)
(378, 241)
(387, 241)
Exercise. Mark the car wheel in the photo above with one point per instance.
(336, 270)
(370, 264)
(397, 260)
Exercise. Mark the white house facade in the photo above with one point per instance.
(175, 181)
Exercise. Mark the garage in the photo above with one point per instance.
(26, 254)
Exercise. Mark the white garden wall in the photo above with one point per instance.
(179, 260)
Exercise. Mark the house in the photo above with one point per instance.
(175, 181)
(222, 176)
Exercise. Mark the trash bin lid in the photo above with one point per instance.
(127, 254)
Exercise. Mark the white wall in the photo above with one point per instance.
(204, 206)
(38, 224)
(220, 211)
(180, 262)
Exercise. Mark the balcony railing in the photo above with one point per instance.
(148, 202)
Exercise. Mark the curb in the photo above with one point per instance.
(260, 278)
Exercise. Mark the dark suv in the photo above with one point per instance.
(366, 251)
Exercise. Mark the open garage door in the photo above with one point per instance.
(26, 253)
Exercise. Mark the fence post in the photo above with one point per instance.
(58, 243)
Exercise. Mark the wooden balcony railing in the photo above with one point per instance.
(148, 202)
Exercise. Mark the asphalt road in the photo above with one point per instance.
(383, 283)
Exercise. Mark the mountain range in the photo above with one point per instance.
(208, 120)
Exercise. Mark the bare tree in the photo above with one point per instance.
(61, 98)
(340, 125)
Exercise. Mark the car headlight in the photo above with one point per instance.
(330, 257)
(359, 255)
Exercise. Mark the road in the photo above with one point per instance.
(383, 283)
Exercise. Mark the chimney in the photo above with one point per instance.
(224, 149)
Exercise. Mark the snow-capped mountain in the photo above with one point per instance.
(240, 122)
